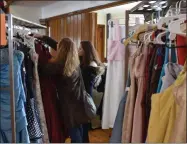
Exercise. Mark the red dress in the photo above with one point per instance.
(181, 52)
(50, 100)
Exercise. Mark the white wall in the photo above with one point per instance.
(101, 18)
(62, 7)
(33, 14)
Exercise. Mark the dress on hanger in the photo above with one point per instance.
(172, 70)
(39, 102)
(179, 131)
(117, 130)
(5, 106)
(115, 79)
(155, 67)
(135, 96)
(32, 111)
(164, 113)
(170, 56)
(50, 100)
(181, 52)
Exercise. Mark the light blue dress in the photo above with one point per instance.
(5, 113)
(117, 129)
(166, 60)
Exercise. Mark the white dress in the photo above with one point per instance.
(115, 80)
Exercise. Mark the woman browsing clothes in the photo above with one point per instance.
(64, 67)
(92, 69)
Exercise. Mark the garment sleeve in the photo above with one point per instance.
(49, 41)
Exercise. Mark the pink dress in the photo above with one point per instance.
(115, 79)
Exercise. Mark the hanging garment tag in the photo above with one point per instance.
(3, 40)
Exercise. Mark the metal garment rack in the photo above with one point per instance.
(13, 20)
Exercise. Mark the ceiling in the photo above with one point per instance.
(29, 3)
(120, 8)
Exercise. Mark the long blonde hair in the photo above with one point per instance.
(67, 55)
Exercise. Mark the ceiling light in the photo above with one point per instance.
(146, 6)
(152, 2)
(158, 8)
(162, 2)
(164, 6)
(149, 9)
(141, 8)
(155, 6)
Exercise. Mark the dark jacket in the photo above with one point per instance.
(70, 92)
(89, 74)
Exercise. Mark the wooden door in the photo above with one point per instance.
(101, 42)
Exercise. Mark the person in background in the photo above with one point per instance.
(64, 67)
(92, 69)
(91, 65)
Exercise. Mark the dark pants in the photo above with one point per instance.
(79, 134)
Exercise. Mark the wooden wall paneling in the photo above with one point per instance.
(64, 26)
(79, 29)
(59, 30)
(93, 28)
(68, 26)
(51, 25)
(75, 30)
(71, 27)
(55, 29)
(87, 26)
(83, 26)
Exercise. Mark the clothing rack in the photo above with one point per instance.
(13, 20)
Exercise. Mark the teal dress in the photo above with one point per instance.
(166, 60)
(5, 106)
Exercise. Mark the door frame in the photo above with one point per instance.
(102, 26)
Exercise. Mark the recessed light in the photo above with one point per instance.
(163, 2)
(152, 2)
(146, 6)
(149, 9)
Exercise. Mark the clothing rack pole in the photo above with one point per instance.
(11, 74)
(17, 21)
(126, 35)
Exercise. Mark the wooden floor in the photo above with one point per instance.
(98, 136)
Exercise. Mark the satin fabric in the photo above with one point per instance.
(5, 106)
(164, 113)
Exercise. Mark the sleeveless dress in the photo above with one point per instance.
(115, 79)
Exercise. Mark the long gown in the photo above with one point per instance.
(115, 79)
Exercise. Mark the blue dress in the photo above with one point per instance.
(5, 112)
(118, 124)
(166, 60)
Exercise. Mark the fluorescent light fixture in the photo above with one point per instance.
(164, 6)
(146, 6)
(155, 6)
(152, 2)
(141, 8)
(149, 9)
(158, 8)
(163, 2)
